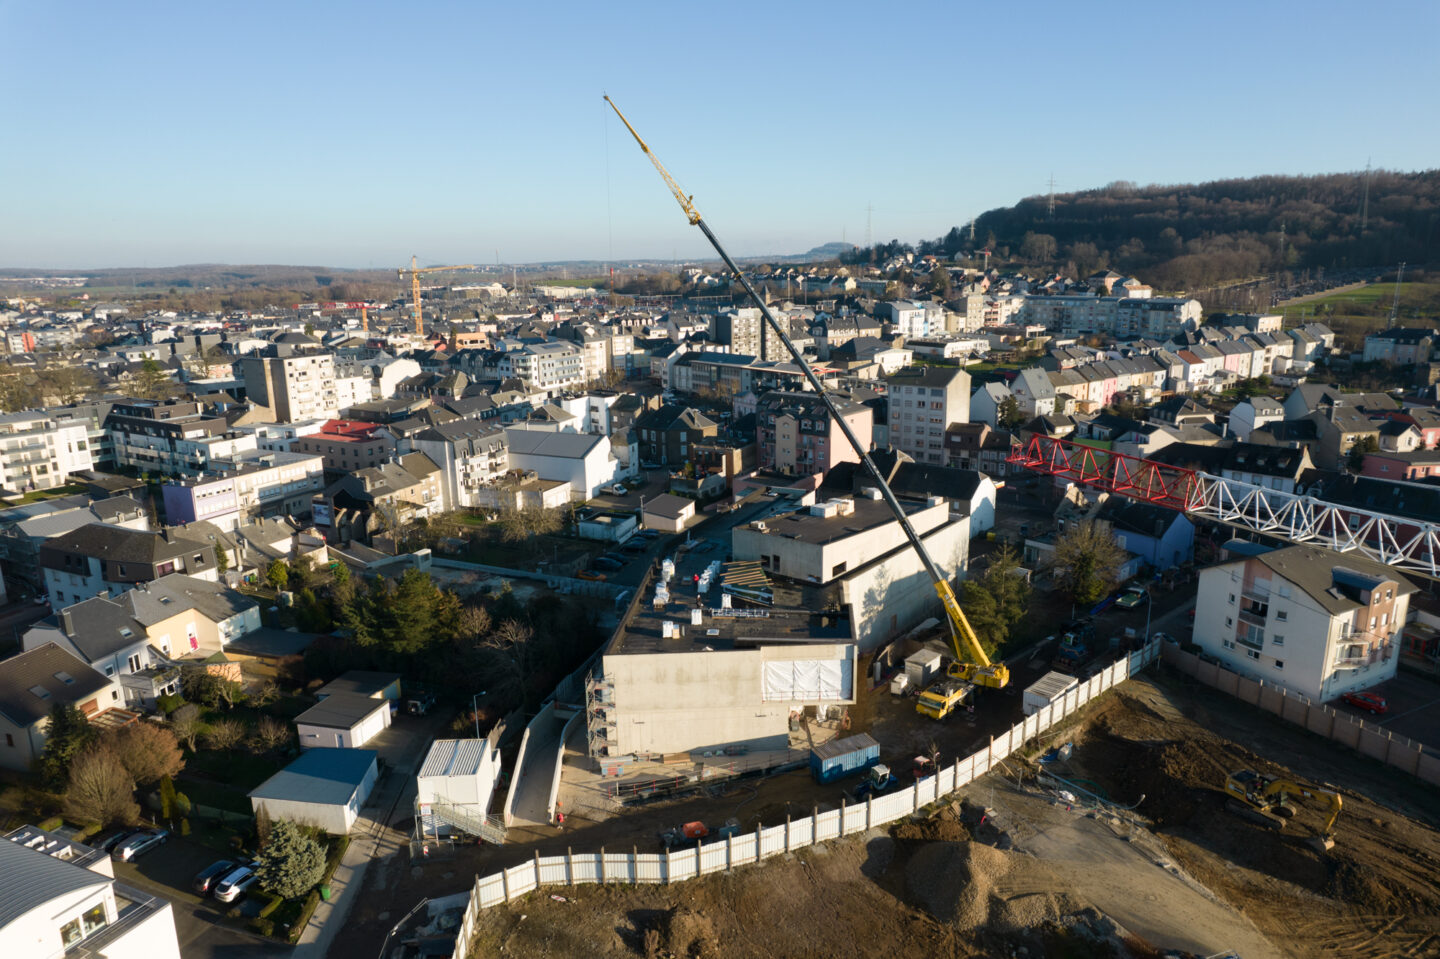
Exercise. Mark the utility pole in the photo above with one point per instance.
(1050, 207)
(1365, 198)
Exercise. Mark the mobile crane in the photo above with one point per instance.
(1265, 799)
(971, 664)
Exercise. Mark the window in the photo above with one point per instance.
(94, 919)
(1279, 664)
(1229, 621)
(1278, 640)
(838, 568)
(1232, 599)
(1228, 644)
(70, 933)
(1281, 615)
(1253, 654)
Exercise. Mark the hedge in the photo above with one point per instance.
(51, 824)
(312, 899)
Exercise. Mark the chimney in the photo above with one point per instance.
(67, 625)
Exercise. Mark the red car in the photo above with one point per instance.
(1372, 702)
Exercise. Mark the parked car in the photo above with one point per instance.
(139, 843)
(235, 883)
(615, 489)
(207, 878)
(613, 555)
(1132, 597)
(647, 534)
(1165, 638)
(589, 574)
(114, 839)
(635, 546)
(608, 564)
(1373, 703)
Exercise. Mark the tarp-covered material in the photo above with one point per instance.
(809, 680)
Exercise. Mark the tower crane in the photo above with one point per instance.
(414, 274)
(971, 664)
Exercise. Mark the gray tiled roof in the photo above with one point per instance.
(42, 668)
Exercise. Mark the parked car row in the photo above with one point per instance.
(129, 844)
(226, 880)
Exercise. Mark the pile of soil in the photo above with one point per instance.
(686, 932)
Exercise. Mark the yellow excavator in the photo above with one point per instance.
(971, 664)
(1265, 799)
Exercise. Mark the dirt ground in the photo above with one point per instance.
(1061, 878)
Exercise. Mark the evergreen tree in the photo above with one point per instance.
(68, 734)
(291, 862)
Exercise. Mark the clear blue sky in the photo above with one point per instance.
(356, 133)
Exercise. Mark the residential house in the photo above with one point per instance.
(923, 401)
(348, 445)
(1253, 412)
(32, 684)
(383, 498)
(1034, 392)
(1311, 620)
(99, 558)
(986, 403)
(1163, 538)
(668, 435)
(1403, 346)
(1413, 465)
(23, 529)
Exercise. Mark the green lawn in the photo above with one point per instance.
(35, 496)
(1353, 313)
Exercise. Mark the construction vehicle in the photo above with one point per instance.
(878, 781)
(687, 835)
(1073, 653)
(971, 664)
(1265, 799)
(943, 698)
(414, 274)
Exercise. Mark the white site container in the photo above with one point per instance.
(900, 684)
(1047, 689)
(921, 667)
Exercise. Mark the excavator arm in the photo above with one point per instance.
(971, 663)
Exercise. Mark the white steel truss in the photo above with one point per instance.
(1405, 544)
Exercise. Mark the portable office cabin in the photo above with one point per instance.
(842, 757)
(921, 667)
(1046, 690)
(458, 772)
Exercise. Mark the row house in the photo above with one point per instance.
(1403, 346)
(24, 529)
(668, 435)
(796, 434)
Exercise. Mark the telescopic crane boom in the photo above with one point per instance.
(414, 274)
(971, 662)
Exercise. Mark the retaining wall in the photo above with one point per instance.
(752, 847)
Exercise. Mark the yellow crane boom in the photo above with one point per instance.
(414, 273)
(971, 663)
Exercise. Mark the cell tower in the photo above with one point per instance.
(1395, 304)
(1365, 198)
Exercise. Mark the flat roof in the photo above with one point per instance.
(362, 681)
(454, 757)
(802, 525)
(340, 710)
(321, 775)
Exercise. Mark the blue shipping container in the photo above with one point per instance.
(843, 757)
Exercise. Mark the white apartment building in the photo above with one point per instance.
(545, 366)
(471, 455)
(293, 387)
(38, 452)
(62, 899)
(1314, 621)
(246, 487)
(923, 401)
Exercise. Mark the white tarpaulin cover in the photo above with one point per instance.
(808, 680)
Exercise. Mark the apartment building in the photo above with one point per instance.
(549, 365)
(471, 456)
(174, 439)
(795, 434)
(380, 498)
(347, 445)
(669, 434)
(293, 388)
(250, 486)
(923, 401)
(39, 451)
(24, 529)
(1314, 621)
(62, 900)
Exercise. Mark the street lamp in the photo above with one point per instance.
(475, 711)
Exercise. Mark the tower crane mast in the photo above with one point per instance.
(971, 663)
(414, 274)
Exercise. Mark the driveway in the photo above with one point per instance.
(1414, 703)
(166, 872)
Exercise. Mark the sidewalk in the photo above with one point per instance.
(371, 838)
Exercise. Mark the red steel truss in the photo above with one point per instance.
(1171, 486)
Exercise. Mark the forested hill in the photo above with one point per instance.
(1195, 235)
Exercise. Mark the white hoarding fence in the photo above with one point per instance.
(723, 855)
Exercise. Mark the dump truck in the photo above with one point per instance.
(943, 698)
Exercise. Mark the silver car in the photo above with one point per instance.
(235, 884)
(140, 842)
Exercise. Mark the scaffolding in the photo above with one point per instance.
(599, 715)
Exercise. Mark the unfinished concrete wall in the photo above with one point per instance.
(1375, 742)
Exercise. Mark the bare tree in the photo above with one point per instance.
(271, 733)
(100, 789)
(149, 752)
(225, 734)
(185, 723)
(1087, 561)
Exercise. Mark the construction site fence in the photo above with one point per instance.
(1368, 739)
(794, 834)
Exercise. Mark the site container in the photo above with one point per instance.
(1046, 690)
(921, 667)
(842, 757)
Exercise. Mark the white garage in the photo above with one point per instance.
(323, 788)
(342, 721)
